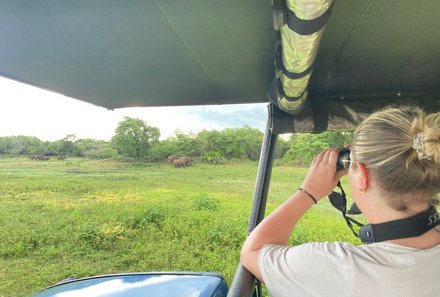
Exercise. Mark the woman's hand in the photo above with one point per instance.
(277, 227)
(322, 176)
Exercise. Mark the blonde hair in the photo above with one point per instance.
(384, 143)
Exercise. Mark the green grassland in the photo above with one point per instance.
(82, 217)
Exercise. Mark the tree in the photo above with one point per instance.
(67, 146)
(133, 138)
(21, 145)
(304, 147)
(161, 150)
(251, 139)
(186, 144)
(232, 143)
(95, 149)
(281, 147)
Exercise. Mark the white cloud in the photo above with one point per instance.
(27, 110)
(167, 119)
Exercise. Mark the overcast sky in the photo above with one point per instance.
(26, 110)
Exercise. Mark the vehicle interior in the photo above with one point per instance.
(319, 65)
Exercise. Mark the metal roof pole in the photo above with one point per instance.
(243, 282)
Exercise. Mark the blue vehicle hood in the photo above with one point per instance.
(141, 284)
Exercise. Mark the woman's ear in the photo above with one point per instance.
(363, 178)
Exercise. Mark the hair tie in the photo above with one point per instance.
(418, 142)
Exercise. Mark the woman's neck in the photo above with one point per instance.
(378, 211)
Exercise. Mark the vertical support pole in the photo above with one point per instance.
(243, 283)
(263, 176)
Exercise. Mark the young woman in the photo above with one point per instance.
(394, 174)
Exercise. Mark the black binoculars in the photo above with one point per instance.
(343, 159)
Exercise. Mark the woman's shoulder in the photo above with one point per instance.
(383, 252)
(371, 250)
(336, 250)
(351, 250)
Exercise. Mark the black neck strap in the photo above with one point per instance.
(403, 228)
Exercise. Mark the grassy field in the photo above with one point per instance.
(82, 217)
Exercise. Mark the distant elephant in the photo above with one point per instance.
(183, 162)
(172, 158)
(179, 163)
(61, 158)
(33, 157)
(42, 158)
(187, 160)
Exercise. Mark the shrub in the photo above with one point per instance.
(103, 237)
(304, 147)
(153, 215)
(204, 202)
(213, 158)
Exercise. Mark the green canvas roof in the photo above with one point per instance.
(140, 53)
(380, 50)
(188, 52)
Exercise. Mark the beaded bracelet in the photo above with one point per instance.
(310, 195)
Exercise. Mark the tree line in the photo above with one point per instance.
(134, 139)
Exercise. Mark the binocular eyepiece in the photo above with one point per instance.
(343, 159)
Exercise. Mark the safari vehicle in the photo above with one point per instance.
(319, 65)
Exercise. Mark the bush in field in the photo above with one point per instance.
(20, 244)
(90, 235)
(151, 216)
(213, 158)
(103, 237)
(227, 234)
(204, 202)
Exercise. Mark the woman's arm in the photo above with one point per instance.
(277, 227)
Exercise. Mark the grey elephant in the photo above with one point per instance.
(189, 161)
(179, 163)
(172, 158)
(43, 158)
